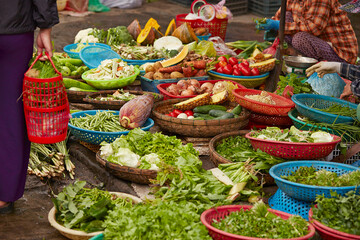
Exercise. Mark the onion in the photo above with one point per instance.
(192, 88)
(194, 83)
(174, 89)
(183, 84)
(187, 92)
(207, 87)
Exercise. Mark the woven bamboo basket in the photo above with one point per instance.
(195, 128)
(131, 174)
(76, 96)
(92, 147)
(217, 159)
(115, 104)
(80, 235)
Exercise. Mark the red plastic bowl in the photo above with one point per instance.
(281, 108)
(162, 88)
(328, 233)
(221, 212)
(291, 150)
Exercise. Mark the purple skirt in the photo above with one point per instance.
(15, 53)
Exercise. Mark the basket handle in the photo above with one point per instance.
(51, 61)
(349, 153)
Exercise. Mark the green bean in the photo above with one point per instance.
(337, 109)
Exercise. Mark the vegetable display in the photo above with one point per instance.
(118, 95)
(263, 97)
(139, 52)
(258, 222)
(85, 209)
(103, 121)
(339, 212)
(232, 66)
(295, 82)
(312, 176)
(292, 135)
(111, 69)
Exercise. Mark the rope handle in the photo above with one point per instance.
(49, 58)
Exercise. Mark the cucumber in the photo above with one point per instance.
(203, 116)
(217, 113)
(237, 110)
(69, 83)
(207, 108)
(226, 116)
(81, 90)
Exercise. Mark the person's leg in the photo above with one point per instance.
(314, 47)
(15, 53)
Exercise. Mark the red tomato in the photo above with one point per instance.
(245, 63)
(233, 61)
(217, 66)
(237, 72)
(228, 69)
(255, 72)
(177, 112)
(220, 70)
(189, 113)
(236, 66)
(222, 63)
(172, 114)
(222, 58)
(245, 71)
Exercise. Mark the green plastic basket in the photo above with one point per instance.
(110, 84)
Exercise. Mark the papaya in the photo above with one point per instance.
(134, 29)
(171, 28)
(146, 36)
(185, 33)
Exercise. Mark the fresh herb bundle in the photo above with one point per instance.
(239, 149)
(294, 81)
(258, 222)
(341, 213)
(312, 176)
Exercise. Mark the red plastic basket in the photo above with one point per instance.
(221, 212)
(328, 233)
(281, 108)
(217, 27)
(162, 88)
(46, 108)
(291, 150)
(268, 120)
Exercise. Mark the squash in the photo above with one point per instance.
(152, 23)
(134, 29)
(178, 58)
(171, 28)
(146, 36)
(185, 33)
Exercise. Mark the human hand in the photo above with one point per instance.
(323, 68)
(43, 42)
(270, 24)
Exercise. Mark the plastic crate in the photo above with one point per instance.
(264, 8)
(336, 152)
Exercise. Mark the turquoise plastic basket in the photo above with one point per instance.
(282, 202)
(307, 192)
(96, 137)
(141, 62)
(92, 56)
(71, 54)
(305, 104)
(98, 237)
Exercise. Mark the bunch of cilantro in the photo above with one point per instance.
(339, 212)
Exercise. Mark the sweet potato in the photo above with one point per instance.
(187, 71)
(171, 69)
(201, 64)
(200, 73)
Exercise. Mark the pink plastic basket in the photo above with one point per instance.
(281, 108)
(328, 233)
(283, 121)
(291, 150)
(221, 212)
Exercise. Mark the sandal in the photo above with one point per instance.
(8, 208)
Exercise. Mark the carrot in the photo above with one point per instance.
(176, 68)
(200, 64)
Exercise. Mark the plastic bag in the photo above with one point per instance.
(222, 11)
(122, 3)
(330, 85)
(77, 5)
(221, 48)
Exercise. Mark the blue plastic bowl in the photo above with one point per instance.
(77, 54)
(141, 62)
(97, 137)
(92, 56)
(204, 37)
(305, 192)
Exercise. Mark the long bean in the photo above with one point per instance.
(104, 121)
(337, 109)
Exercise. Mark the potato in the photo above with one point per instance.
(149, 75)
(157, 66)
(166, 75)
(158, 76)
(150, 68)
(176, 75)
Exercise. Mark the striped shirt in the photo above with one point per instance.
(325, 20)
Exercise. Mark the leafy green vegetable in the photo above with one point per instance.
(339, 212)
(294, 81)
(258, 222)
(113, 36)
(239, 149)
(312, 176)
(157, 220)
(85, 209)
(338, 109)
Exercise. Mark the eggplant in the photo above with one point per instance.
(134, 113)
